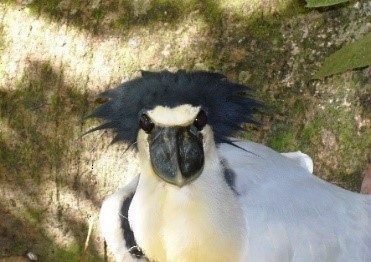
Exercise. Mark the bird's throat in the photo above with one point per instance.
(201, 221)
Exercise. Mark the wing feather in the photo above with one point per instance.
(115, 227)
(294, 215)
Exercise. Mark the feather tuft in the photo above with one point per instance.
(227, 104)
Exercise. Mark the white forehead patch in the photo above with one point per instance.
(178, 116)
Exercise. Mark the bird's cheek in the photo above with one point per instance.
(208, 139)
(143, 146)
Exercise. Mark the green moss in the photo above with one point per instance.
(311, 134)
(50, 6)
(32, 216)
(283, 141)
(98, 13)
(71, 253)
(351, 181)
(262, 28)
(249, 135)
(38, 108)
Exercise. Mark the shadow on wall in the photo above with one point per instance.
(45, 198)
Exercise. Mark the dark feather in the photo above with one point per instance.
(227, 104)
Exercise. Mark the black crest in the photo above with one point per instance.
(226, 104)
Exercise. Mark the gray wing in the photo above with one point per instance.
(292, 215)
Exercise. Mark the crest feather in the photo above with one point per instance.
(226, 104)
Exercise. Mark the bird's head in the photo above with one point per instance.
(175, 118)
(174, 141)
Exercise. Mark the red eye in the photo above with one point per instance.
(201, 120)
(146, 124)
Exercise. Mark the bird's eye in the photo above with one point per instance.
(201, 120)
(146, 124)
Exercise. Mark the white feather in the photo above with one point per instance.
(201, 221)
(300, 158)
(180, 115)
(289, 214)
(292, 215)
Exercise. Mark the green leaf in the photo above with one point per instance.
(320, 3)
(354, 55)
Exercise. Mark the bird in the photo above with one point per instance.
(204, 195)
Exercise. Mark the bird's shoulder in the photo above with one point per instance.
(283, 201)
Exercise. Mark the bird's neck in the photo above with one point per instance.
(201, 221)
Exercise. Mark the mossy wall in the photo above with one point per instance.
(55, 56)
